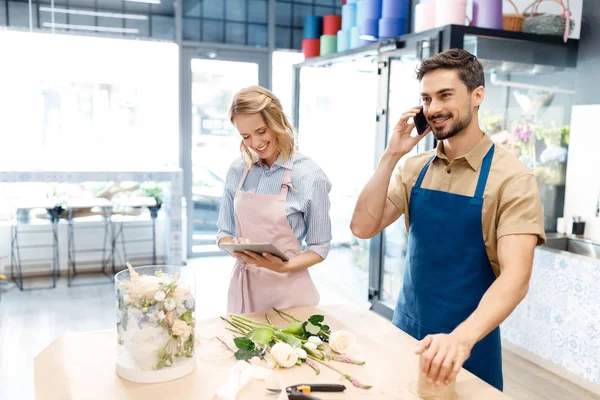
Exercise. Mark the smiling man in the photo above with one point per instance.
(473, 214)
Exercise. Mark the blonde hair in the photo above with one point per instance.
(256, 99)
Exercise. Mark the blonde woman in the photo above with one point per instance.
(273, 194)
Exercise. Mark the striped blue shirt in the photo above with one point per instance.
(307, 204)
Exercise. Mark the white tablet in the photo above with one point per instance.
(258, 248)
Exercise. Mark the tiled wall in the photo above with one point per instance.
(559, 320)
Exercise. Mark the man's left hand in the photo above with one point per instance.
(443, 356)
(265, 260)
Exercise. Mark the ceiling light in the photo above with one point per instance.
(145, 1)
(90, 28)
(94, 13)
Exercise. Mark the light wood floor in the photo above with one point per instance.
(29, 321)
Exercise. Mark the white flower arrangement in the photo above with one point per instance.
(155, 319)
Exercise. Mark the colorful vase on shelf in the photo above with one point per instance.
(487, 14)
(450, 12)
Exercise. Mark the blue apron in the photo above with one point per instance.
(447, 270)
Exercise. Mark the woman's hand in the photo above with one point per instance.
(264, 260)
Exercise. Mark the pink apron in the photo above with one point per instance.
(262, 219)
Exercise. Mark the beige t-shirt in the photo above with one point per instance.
(511, 201)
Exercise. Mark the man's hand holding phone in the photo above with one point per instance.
(401, 142)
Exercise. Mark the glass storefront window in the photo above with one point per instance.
(527, 110)
(283, 77)
(83, 103)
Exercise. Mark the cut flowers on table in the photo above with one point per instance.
(309, 342)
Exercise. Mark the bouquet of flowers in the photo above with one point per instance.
(155, 317)
(309, 342)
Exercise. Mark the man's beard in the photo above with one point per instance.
(452, 127)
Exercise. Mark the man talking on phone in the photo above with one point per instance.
(474, 217)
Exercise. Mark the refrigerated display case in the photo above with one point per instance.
(530, 82)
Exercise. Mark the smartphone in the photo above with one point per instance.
(421, 122)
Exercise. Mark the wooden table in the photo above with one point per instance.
(82, 365)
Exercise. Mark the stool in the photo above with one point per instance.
(135, 202)
(81, 205)
(54, 213)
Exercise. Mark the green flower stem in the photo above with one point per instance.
(346, 376)
(240, 323)
(327, 365)
(225, 344)
(236, 331)
(250, 322)
(235, 325)
(281, 313)
(269, 320)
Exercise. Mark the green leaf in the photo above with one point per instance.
(243, 343)
(316, 319)
(291, 340)
(187, 317)
(245, 353)
(294, 328)
(325, 328)
(312, 329)
(260, 335)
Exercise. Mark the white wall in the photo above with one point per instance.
(583, 169)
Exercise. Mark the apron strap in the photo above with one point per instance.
(244, 175)
(423, 172)
(287, 183)
(484, 173)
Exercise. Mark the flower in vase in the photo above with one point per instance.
(284, 355)
(161, 315)
(190, 303)
(554, 153)
(181, 293)
(523, 131)
(160, 296)
(180, 309)
(170, 304)
(181, 329)
(140, 288)
(341, 341)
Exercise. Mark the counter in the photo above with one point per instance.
(558, 322)
(82, 365)
(174, 177)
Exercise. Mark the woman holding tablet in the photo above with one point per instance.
(273, 195)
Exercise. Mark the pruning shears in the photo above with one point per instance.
(302, 391)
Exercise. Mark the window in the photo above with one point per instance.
(71, 102)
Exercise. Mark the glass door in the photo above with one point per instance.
(399, 92)
(336, 110)
(211, 142)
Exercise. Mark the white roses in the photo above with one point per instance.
(159, 296)
(284, 355)
(181, 329)
(342, 341)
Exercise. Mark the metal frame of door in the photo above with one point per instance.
(212, 52)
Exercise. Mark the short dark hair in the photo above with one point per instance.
(469, 68)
